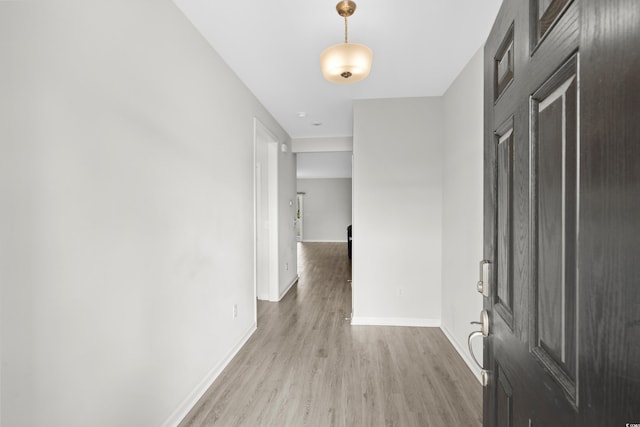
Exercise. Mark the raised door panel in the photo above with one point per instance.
(504, 399)
(504, 268)
(544, 15)
(554, 155)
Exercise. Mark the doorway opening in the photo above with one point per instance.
(299, 217)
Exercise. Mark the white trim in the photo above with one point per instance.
(190, 401)
(262, 132)
(463, 353)
(293, 282)
(395, 321)
(324, 241)
(274, 215)
(255, 221)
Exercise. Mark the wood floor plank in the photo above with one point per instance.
(307, 366)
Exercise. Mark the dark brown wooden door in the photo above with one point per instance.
(562, 214)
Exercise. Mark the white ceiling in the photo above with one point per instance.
(419, 46)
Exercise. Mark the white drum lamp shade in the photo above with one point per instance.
(346, 62)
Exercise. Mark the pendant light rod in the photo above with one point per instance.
(346, 34)
(346, 9)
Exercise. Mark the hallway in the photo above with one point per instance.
(306, 365)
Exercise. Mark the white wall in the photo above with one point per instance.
(287, 252)
(462, 205)
(326, 209)
(126, 154)
(319, 145)
(335, 164)
(397, 211)
(417, 187)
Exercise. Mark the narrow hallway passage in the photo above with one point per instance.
(306, 365)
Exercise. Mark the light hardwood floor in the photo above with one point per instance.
(307, 366)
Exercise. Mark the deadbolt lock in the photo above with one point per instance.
(485, 277)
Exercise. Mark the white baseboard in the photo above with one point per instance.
(293, 282)
(396, 321)
(463, 352)
(190, 401)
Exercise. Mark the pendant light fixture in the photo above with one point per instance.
(346, 62)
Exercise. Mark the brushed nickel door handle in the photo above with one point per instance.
(473, 335)
(483, 332)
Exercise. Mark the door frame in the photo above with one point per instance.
(262, 135)
(300, 221)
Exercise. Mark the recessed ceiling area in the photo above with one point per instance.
(323, 165)
(419, 47)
